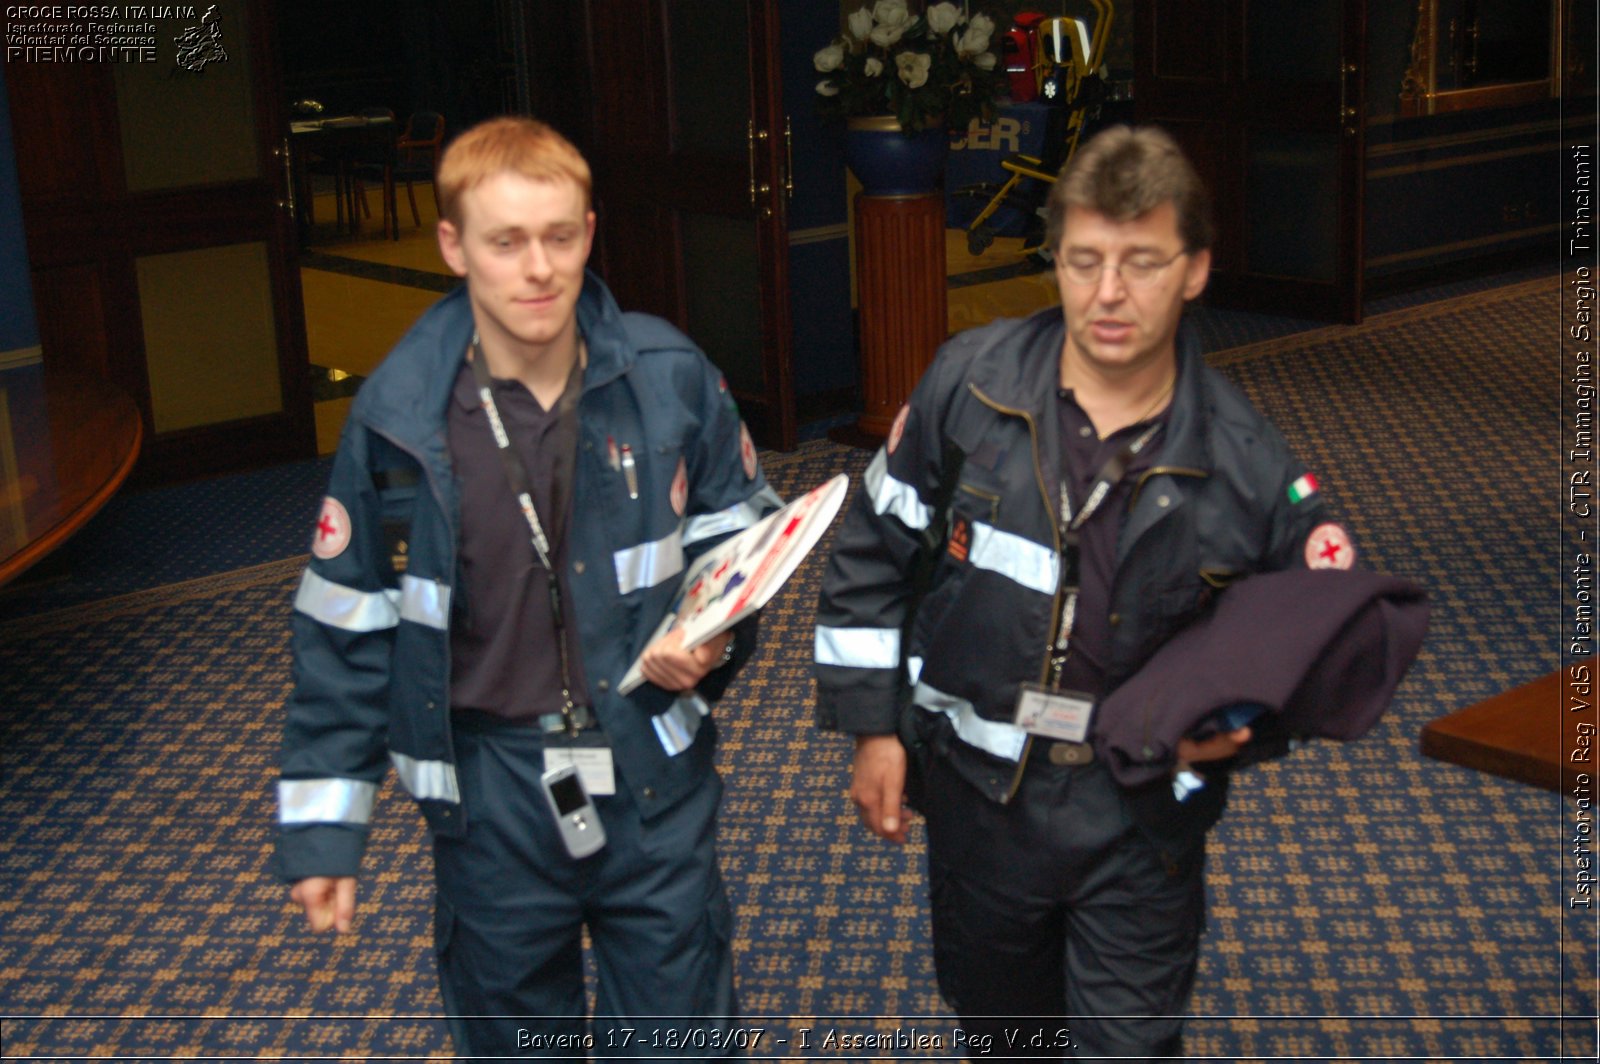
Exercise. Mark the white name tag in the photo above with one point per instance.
(1054, 714)
(593, 763)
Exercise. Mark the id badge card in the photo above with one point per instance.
(593, 762)
(1054, 713)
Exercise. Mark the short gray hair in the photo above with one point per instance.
(1124, 172)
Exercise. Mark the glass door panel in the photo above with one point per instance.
(1289, 178)
(710, 81)
(210, 342)
(183, 128)
(722, 279)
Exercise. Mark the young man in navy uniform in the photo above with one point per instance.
(516, 494)
(1060, 496)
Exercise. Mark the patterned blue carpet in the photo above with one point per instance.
(1366, 903)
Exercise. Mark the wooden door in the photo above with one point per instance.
(687, 139)
(154, 200)
(1266, 97)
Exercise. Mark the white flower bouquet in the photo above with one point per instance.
(936, 67)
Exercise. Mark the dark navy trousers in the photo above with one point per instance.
(511, 908)
(1059, 930)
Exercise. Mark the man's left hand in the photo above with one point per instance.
(667, 665)
(1215, 748)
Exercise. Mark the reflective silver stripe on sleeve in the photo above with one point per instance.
(891, 496)
(1033, 565)
(676, 727)
(734, 519)
(427, 780)
(1001, 740)
(425, 602)
(328, 801)
(859, 648)
(345, 607)
(649, 564)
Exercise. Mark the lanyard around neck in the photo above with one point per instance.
(1110, 475)
(516, 474)
(517, 477)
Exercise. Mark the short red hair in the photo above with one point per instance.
(512, 143)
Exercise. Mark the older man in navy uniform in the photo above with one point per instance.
(1061, 495)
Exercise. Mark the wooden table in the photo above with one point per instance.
(1529, 733)
(66, 444)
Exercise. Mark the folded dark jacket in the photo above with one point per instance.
(1322, 650)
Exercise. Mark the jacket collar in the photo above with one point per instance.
(1020, 367)
(406, 396)
(1190, 419)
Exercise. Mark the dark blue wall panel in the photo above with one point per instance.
(18, 328)
(819, 260)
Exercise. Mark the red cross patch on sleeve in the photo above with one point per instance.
(679, 494)
(332, 534)
(747, 452)
(898, 429)
(1329, 547)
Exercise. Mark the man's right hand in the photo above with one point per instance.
(877, 784)
(329, 901)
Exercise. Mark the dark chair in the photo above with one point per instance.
(417, 156)
(373, 160)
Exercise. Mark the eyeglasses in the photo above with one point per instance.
(1137, 272)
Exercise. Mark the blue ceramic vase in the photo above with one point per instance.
(889, 162)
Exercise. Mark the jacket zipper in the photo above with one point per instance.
(1055, 537)
(1172, 471)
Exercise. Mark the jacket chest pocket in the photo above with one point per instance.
(397, 507)
(976, 503)
(970, 505)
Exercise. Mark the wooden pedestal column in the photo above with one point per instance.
(900, 278)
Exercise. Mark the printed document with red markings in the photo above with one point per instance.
(741, 574)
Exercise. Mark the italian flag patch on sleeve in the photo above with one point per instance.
(1303, 489)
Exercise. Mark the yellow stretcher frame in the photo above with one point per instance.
(1059, 44)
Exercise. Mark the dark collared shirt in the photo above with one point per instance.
(1083, 455)
(504, 656)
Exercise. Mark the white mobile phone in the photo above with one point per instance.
(576, 817)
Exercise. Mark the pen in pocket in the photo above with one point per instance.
(630, 472)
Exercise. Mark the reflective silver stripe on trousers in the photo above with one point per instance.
(891, 496)
(676, 727)
(1033, 565)
(649, 564)
(345, 607)
(735, 518)
(425, 602)
(328, 801)
(1001, 740)
(427, 780)
(859, 648)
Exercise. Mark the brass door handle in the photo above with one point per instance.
(288, 178)
(1349, 117)
(752, 134)
(788, 155)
